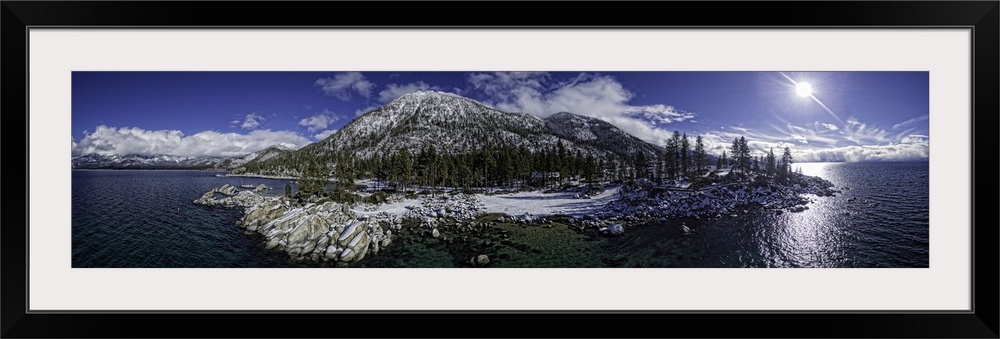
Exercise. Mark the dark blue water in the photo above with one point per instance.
(146, 219)
(142, 218)
(880, 221)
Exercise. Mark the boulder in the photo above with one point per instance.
(480, 260)
(332, 252)
(348, 234)
(616, 229)
(348, 255)
(359, 245)
(272, 244)
(206, 199)
(227, 189)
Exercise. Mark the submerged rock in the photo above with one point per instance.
(480, 260)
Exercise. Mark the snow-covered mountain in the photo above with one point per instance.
(599, 134)
(455, 124)
(135, 161)
(450, 122)
(262, 155)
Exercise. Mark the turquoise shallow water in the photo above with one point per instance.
(146, 219)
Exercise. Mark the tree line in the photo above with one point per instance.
(507, 166)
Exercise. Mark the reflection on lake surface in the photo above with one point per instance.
(146, 219)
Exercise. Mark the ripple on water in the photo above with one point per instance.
(146, 219)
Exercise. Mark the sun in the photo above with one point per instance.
(803, 89)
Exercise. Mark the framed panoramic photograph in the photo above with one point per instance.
(187, 164)
(494, 170)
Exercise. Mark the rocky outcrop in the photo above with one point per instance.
(326, 232)
(457, 206)
(321, 232)
(431, 211)
(646, 203)
(261, 187)
(227, 189)
(233, 198)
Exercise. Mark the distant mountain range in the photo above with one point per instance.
(451, 123)
(135, 161)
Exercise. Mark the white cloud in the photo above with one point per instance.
(503, 83)
(319, 121)
(341, 85)
(324, 134)
(393, 91)
(126, 140)
(601, 97)
(831, 127)
(910, 147)
(907, 122)
(660, 113)
(855, 153)
(915, 139)
(250, 122)
(861, 133)
(605, 98)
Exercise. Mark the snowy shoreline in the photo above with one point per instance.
(343, 234)
(260, 176)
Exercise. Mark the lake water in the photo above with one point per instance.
(143, 218)
(125, 218)
(880, 221)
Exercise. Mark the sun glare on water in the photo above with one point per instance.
(803, 89)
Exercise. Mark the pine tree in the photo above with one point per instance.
(402, 167)
(685, 156)
(562, 160)
(590, 169)
(701, 159)
(769, 163)
(671, 157)
(786, 163)
(314, 177)
(744, 155)
(288, 189)
(640, 165)
(659, 170)
(735, 151)
(345, 172)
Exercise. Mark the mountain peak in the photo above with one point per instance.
(565, 115)
(430, 94)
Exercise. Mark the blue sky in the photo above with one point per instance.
(848, 116)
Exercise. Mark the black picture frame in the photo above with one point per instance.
(983, 17)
